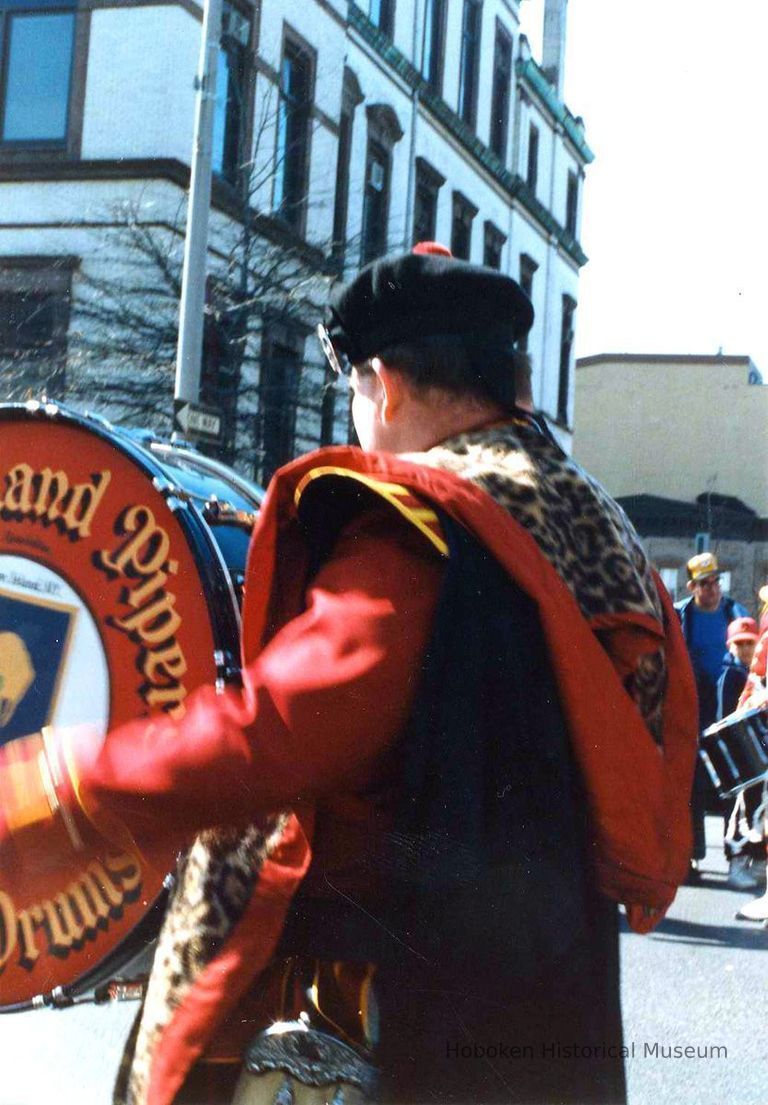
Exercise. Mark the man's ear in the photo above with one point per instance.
(690, 586)
(392, 388)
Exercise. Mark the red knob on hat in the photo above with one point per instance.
(436, 248)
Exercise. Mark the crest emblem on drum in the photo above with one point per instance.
(33, 645)
(16, 675)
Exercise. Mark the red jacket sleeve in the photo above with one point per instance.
(320, 705)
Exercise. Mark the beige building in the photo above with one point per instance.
(682, 441)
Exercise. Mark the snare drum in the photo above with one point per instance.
(119, 566)
(735, 751)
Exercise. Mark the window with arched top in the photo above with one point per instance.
(469, 61)
(351, 96)
(294, 115)
(384, 131)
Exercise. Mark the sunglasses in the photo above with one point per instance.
(338, 361)
(710, 581)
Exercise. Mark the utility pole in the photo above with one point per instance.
(190, 346)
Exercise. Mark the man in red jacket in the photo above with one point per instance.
(465, 698)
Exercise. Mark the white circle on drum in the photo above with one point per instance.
(53, 668)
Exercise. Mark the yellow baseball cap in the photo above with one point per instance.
(701, 566)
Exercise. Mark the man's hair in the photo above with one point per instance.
(465, 369)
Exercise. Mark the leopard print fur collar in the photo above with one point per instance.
(580, 529)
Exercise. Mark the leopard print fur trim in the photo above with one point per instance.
(580, 529)
(215, 880)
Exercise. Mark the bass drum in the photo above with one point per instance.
(120, 562)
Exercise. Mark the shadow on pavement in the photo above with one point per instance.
(711, 881)
(747, 935)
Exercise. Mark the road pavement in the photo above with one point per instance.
(699, 982)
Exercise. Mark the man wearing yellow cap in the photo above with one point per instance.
(705, 616)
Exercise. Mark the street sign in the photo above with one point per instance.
(195, 421)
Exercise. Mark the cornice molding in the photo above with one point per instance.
(534, 79)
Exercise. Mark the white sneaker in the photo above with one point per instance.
(754, 911)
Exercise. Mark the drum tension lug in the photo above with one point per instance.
(227, 668)
(59, 998)
(175, 496)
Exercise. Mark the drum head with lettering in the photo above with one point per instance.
(105, 615)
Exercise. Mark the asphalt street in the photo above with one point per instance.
(699, 982)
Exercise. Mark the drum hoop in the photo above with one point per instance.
(715, 737)
(735, 718)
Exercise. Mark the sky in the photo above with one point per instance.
(674, 96)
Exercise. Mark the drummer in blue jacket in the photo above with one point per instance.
(705, 616)
(741, 642)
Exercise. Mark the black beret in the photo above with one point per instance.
(398, 299)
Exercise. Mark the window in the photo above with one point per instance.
(502, 84)
(669, 579)
(434, 45)
(37, 46)
(34, 319)
(469, 61)
(701, 543)
(351, 97)
(341, 200)
(566, 345)
(461, 226)
(232, 86)
(224, 340)
(428, 184)
(572, 204)
(384, 131)
(293, 133)
(375, 202)
(532, 174)
(493, 244)
(279, 379)
(527, 272)
(382, 14)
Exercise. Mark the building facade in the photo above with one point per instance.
(681, 441)
(343, 131)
